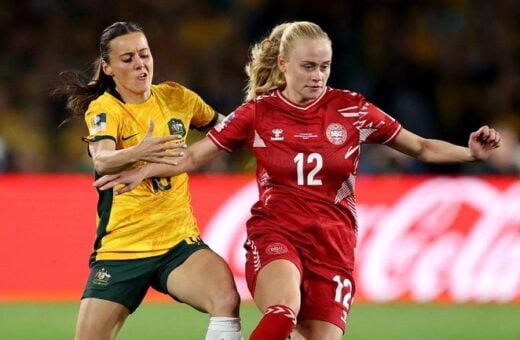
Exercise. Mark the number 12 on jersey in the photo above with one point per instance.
(343, 294)
(313, 158)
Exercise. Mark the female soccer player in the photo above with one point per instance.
(149, 237)
(306, 138)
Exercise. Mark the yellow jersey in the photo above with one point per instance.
(157, 214)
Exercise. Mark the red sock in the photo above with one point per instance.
(276, 324)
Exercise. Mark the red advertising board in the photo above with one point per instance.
(450, 239)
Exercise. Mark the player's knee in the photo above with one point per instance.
(226, 302)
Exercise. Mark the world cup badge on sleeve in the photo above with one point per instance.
(99, 123)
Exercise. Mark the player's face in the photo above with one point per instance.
(306, 69)
(131, 66)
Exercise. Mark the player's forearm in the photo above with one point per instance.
(163, 170)
(438, 151)
(112, 161)
(198, 155)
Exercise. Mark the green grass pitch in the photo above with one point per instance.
(42, 321)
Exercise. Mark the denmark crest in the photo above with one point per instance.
(336, 134)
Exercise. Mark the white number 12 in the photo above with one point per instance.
(312, 158)
(343, 294)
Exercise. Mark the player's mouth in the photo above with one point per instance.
(314, 87)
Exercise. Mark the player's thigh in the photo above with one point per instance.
(327, 295)
(99, 319)
(278, 283)
(205, 282)
(316, 330)
(273, 271)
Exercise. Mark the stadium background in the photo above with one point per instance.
(442, 68)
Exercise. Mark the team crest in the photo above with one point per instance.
(101, 277)
(176, 127)
(336, 134)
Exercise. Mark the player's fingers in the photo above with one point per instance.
(165, 160)
(171, 154)
(492, 135)
(170, 138)
(105, 179)
(108, 185)
(150, 128)
(125, 188)
(170, 162)
(483, 133)
(496, 143)
(180, 145)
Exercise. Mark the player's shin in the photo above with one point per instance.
(276, 324)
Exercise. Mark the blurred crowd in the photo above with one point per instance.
(442, 68)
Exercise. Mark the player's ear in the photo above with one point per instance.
(107, 69)
(282, 63)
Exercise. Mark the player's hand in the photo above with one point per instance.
(164, 150)
(482, 142)
(125, 181)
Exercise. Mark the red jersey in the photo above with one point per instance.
(306, 166)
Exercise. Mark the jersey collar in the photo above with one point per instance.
(308, 106)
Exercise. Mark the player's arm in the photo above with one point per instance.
(480, 145)
(197, 155)
(108, 160)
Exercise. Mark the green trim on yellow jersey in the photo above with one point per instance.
(97, 138)
(103, 212)
(210, 125)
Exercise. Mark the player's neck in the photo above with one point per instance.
(130, 97)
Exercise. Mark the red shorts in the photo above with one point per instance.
(327, 294)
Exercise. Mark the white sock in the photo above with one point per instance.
(224, 328)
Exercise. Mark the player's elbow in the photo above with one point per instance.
(103, 167)
(100, 168)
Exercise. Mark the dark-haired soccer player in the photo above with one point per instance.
(147, 238)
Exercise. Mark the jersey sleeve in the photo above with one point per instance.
(102, 123)
(204, 116)
(235, 130)
(376, 126)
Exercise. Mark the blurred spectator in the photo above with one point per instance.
(380, 159)
(23, 135)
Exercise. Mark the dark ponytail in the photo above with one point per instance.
(78, 88)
